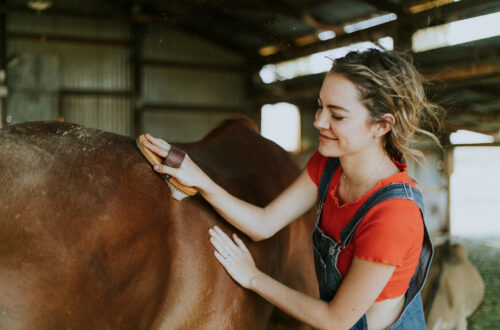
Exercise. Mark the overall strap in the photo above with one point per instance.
(331, 166)
(395, 190)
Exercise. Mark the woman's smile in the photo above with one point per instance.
(324, 138)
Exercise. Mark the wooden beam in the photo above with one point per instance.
(452, 11)
(82, 12)
(192, 107)
(200, 20)
(3, 66)
(96, 92)
(136, 48)
(385, 5)
(370, 34)
(487, 91)
(454, 127)
(194, 66)
(476, 115)
(401, 29)
(453, 72)
(46, 37)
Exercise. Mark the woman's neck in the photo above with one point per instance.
(362, 171)
(361, 166)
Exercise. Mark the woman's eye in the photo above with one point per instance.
(337, 117)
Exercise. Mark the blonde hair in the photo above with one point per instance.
(387, 82)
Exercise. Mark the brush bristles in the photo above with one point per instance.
(153, 159)
(176, 193)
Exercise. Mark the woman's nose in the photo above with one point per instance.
(321, 119)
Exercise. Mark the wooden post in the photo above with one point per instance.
(404, 33)
(251, 94)
(3, 67)
(136, 45)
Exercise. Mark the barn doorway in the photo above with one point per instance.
(475, 192)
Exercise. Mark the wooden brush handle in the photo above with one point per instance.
(154, 159)
(185, 189)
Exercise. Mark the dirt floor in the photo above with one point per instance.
(485, 254)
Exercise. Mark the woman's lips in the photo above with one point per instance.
(324, 138)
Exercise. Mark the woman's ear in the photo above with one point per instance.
(385, 124)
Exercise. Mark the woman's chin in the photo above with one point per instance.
(326, 151)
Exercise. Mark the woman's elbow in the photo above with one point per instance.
(257, 237)
(334, 323)
(335, 327)
(261, 235)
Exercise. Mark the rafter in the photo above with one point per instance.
(385, 5)
(370, 34)
(491, 118)
(451, 127)
(454, 9)
(460, 71)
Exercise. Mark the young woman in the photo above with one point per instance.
(371, 247)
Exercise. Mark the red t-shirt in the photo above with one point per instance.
(391, 232)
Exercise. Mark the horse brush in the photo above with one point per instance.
(178, 190)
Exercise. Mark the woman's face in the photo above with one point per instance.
(342, 120)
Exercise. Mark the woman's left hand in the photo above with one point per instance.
(234, 256)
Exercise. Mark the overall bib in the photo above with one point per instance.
(326, 251)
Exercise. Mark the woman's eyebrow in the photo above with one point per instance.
(333, 106)
(336, 107)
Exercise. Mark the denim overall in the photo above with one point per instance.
(326, 251)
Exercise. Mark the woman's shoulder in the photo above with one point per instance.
(400, 177)
(391, 223)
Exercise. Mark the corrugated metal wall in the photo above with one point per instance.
(170, 85)
(92, 75)
(82, 67)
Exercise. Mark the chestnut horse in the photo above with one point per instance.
(90, 237)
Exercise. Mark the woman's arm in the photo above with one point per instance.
(358, 291)
(257, 222)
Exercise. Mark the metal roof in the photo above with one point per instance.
(464, 78)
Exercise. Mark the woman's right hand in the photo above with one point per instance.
(188, 174)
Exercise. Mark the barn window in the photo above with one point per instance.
(474, 192)
(317, 62)
(281, 123)
(457, 32)
(468, 137)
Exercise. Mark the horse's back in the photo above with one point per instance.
(90, 237)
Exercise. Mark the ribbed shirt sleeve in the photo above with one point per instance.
(315, 166)
(389, 232)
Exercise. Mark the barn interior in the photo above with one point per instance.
(177, 68)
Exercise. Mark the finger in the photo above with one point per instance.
(157, 141)
(240, 243)
(164, 169)
(156, 149)
(221, 249)
(223, 240)
(221, 259)
(228, 241)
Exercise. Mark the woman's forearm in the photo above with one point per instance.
(256, 222)
(261, 222)
(248, 218)
(307, 309)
